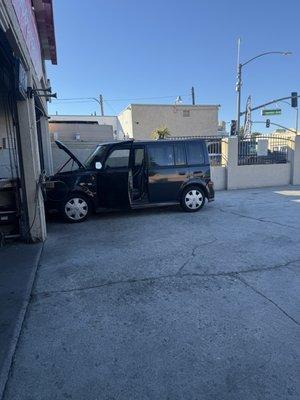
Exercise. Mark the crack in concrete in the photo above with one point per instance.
(188, 260)
(108, 283)
(246, 271)
(267, 298)
(167, 276)
(256, 219)
(193, 254)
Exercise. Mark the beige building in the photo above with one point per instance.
(106, 122)
(139, 120)
(77, 129)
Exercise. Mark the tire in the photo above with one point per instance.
(192, 199)
(76, 208)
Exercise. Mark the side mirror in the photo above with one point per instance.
(98, 165)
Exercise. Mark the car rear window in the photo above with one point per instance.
(195, 153)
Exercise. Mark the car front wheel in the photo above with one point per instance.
(192, 199)
(76, 208)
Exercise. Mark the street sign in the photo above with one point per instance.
(275, 111)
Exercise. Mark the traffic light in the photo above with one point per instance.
(294, 99)
(268, 122)
(233, 127)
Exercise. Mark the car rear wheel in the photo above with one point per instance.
(76, 208)
(192, 199)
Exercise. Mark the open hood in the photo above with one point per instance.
(61, 146)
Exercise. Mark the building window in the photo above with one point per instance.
(186, 113)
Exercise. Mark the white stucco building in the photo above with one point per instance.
(139, 120)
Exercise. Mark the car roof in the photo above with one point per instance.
(152, 141)
(169, 140)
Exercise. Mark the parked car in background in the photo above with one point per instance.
(132, 174)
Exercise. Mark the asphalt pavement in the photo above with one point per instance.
(161, 304)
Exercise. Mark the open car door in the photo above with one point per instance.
(115, 177)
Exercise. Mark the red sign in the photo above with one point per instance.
(29, 30)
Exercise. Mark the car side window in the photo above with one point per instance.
(179, 154)
(118, 158)
(195, 153)
(161, 155)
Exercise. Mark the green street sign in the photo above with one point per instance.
(275, 111)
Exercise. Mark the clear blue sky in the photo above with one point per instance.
(147, 49)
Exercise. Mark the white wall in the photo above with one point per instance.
(139, 120)
(125, 120)
(296, 162)
(219, 177)
(254, 176)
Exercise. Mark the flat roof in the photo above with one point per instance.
(190, 106)
(53, 116)
(175, 105)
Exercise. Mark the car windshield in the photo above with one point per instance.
(97, 155)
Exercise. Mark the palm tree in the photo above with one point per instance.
(160, 133)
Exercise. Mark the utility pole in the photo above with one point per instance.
(238, 89)
(101, 105)
(193, 95)
(239, 77)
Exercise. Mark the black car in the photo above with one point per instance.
(132, 174)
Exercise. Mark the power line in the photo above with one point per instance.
(73, 101)
(89, 99)
(148, 98)
(111, 107)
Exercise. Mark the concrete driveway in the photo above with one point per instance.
(161, 304)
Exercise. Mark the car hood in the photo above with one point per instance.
(61, 146)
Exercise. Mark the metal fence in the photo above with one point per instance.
(214, 147)
(263, 150)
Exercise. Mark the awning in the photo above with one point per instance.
(43, 10)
